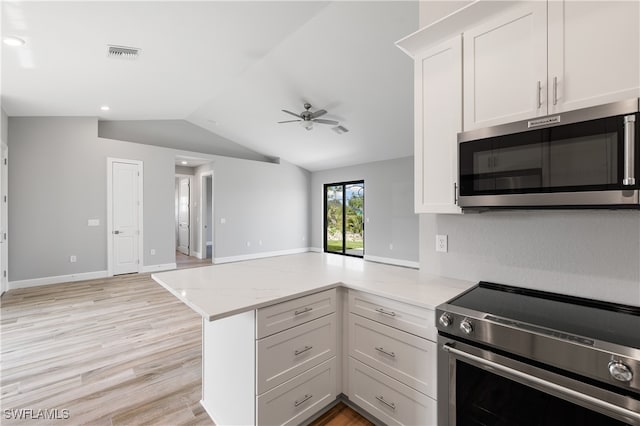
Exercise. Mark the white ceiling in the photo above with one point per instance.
(229, 67)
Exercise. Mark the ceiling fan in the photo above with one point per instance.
(308, 118)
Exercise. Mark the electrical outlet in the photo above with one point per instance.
(248, 243)
(390, 246)
(73, 258)
(259, 242)
(153, 252)
(223, 220)
(442, 243)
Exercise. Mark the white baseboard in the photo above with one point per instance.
(34, 282)
(391, 261)
(196, 254)
(260, 255)
(316, 249)
(158, 268)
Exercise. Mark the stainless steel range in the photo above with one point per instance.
(513, 356)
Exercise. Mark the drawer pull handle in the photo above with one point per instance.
(381, 349)
(301, 351)
(382, 311)
(302, 311)
(388, 404)
(304, 399)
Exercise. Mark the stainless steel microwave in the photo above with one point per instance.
(587, 158)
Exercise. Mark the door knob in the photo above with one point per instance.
(116, 232)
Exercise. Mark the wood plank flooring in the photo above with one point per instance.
(116, 351)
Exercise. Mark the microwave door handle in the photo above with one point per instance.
(629, 150)
(544, 384)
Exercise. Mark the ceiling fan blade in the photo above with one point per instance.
(318, 113)
(292, 113)
(288, 121)
(323, 121)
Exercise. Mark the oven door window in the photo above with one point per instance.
(485, 398)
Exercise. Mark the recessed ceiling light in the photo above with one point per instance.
(13, 41)
(184, 163)
(105, 108)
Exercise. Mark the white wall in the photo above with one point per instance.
(388, 204)
(58, 181)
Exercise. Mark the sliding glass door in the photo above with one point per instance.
(344, 218)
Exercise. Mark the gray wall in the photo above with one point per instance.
(587, 253)
(259, 201)
(58, 181)
(4, 127)
(388, 203)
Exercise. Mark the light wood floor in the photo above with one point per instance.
(116, 351)
(184, 261)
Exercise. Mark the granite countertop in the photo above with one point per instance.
(220, 291)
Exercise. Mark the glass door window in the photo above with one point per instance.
(344, 218)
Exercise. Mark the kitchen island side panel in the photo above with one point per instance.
(228, 369)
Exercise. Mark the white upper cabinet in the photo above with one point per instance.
(540, 58)
(505, 67)
(438, 119)
(594, 53)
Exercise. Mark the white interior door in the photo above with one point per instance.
(183, 216)
(4, 197)
(125, 218)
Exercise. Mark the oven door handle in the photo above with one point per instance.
(546, 384)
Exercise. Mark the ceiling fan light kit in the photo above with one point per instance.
(308, 118)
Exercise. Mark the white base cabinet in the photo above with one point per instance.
(392, 361)
(273, 366)
(388, 399)
(298, 399)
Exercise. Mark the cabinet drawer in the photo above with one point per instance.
(272, 319)
(387, 399)
(284, 355)
(299, 398)
(403, 356)
(409, 318)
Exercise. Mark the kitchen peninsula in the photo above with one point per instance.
(280, 336)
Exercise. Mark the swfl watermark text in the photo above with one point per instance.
(36, 414)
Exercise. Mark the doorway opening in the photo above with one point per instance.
(206, 213)
(183, 215)
(344, 218)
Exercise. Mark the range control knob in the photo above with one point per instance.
(466, 327)
(620, 371)
(445, 320)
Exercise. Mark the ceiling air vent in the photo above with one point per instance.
(123, 52)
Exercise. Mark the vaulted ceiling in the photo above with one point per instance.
(227, 67)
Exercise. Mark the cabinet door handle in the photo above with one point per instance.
(381, 349)
(306, 397)
(303, 350)
(385, 402)
(382, 311)
(555, 90)
(539, 89)
(302, 311)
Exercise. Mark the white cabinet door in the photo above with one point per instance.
(505, 67)
(594, 53)
(438, 110)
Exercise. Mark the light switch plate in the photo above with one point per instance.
(93, 222)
